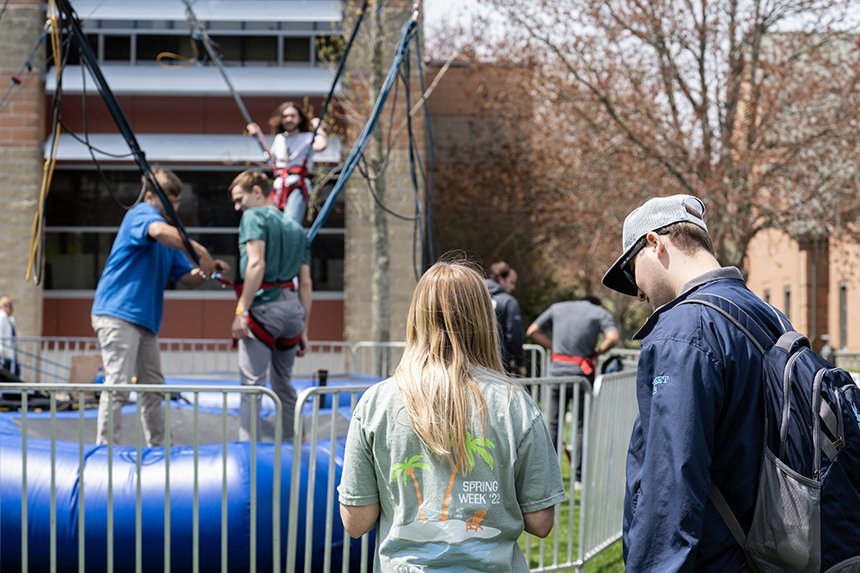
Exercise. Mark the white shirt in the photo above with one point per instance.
(291, 150)
(8, 331)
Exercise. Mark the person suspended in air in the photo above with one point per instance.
(292, 153)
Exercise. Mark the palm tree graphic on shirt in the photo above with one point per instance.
(407, 468)
(473, 446)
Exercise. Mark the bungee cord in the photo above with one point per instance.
(26, 68)
(400, 69)
(407, 36)
(66, 14)
(61, 12)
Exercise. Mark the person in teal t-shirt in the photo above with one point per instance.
(272, 312)
(127, 309)
(450, 458)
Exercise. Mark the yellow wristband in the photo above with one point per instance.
(241, 312)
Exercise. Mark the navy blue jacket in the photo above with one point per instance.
(510, 323)
(699, 390)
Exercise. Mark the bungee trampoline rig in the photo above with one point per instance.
(202, 501)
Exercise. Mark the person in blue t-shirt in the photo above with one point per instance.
(127, 309)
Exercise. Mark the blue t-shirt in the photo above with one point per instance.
(132, 284)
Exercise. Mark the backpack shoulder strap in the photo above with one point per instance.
(728, 515)
(753, 330)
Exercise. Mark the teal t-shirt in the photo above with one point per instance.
(432, 519)
(287, 247)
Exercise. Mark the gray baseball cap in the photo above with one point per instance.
(653, 215)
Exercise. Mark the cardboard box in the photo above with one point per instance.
(84, 369)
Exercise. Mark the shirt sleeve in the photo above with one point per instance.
(607, 323)
(141, 218)
(680, 392)
(358, 482)
(279, 148)
(180, 265)
(5, 334)
(252, 226)
(538, 475)
(306, 252)
(544, 321)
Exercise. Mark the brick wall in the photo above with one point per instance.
(21, 132)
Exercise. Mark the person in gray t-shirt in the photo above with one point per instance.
(450, 458)
(571, 331)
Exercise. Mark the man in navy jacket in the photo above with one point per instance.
(699, 389)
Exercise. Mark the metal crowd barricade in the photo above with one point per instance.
(608, 412)
(50, 359)
(537, 360)
(324, 355)
(573, 393)
(144, 478)
(613, 411)
(194, 356)
(302, 507)
(377, 358)
(201, 356)
(626, 354)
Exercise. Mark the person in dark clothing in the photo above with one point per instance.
(699, 390)
(502, 282)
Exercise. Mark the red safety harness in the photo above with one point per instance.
(280, 196)
(281, 343)
(585, 364)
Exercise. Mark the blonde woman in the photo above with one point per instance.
(449, 457)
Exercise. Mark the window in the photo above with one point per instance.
(155, 24)
(297, 50)
(148, 47)
(83, 220)
(843, 315)
(787, 303)
(117, 48)
(136, 46)
(74, 58)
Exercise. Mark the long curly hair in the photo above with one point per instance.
(275, 119)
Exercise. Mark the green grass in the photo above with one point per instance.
(607, 561)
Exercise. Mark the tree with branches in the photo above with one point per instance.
(750, 104)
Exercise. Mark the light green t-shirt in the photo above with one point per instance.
(515, 471)
(287, 247)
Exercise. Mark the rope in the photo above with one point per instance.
(406, 38)
(183, 61)
(90, 148)
(37, 233)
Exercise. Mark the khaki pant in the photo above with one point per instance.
(129, 350)
(283, 317)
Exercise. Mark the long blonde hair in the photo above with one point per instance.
(451, 328)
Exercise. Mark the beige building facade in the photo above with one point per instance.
(814, 282)
(21, 137)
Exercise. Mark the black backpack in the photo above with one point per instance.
(807, 513)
